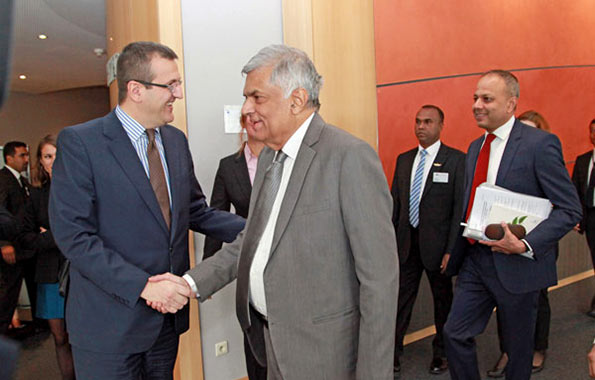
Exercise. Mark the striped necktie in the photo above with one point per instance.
(415, 194)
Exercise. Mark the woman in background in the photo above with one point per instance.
(542, 324)
(233, 186)
(37, 236)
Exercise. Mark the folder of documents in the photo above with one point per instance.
(495, 204)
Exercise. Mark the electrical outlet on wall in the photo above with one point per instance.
(221, 348)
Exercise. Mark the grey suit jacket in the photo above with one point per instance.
(331, 281)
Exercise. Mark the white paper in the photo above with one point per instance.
(231, 119)
(494, 204)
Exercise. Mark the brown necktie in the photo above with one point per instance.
(157, 177)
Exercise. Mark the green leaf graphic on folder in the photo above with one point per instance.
(519, 219)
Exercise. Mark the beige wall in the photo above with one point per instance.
(27, 117)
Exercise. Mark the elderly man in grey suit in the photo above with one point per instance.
(316, 265)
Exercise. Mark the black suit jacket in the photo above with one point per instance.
(13, 199)
(439, 208)
(8, 226)
(48, 256)
(580, 177)
(12, 196)
(232, 187)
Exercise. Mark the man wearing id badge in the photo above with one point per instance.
(427, 192)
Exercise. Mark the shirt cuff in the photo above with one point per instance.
(192, 284)
(529, 252)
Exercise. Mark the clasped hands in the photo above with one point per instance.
(509, 244)
(166, 293)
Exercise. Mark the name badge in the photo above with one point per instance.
(440, 178)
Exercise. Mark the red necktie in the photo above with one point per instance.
(481, 172)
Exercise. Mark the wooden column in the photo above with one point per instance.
(339, 37)
(158, 21)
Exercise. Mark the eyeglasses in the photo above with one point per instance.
(171, 87)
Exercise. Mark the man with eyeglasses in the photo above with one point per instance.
(123, 196)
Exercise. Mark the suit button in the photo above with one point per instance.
(171, 249)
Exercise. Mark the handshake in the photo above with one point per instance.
(167, 293)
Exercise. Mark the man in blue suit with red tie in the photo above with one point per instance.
(122, 199)
(507, 273)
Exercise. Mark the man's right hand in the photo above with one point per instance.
(166, 296)
(8, 254)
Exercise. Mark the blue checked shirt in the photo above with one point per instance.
(140, 141)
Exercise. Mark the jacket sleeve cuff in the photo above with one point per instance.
(192, 284)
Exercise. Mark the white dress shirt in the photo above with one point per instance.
(496, 152)
(497, 149)
(432, 152)
(263, 251)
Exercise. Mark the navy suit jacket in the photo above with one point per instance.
(532, 164)
(106, 220)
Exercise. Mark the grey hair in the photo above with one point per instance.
(292, 69)
(512, 83)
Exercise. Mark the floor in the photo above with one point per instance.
(571, 335)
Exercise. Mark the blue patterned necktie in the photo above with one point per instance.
(415, 194)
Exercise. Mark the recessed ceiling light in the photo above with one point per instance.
(42, 36)
(22, 76)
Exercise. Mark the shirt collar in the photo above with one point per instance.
(14, 172)
(432, 150)
(292, 146)
(504, 130)
(133, 128)
(248, 152)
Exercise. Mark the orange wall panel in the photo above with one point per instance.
(421, 38)
(431, 53)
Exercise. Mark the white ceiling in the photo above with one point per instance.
(66, 58)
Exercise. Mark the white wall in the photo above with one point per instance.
(219, 37)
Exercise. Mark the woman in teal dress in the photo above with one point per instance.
(38, 237)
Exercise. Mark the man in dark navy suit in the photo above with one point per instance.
(123, 196)
(507, 273)
(584, 181)
(427, 191)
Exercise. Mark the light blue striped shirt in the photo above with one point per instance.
(140, 141)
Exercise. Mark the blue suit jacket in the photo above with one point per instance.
(532, 164)
(107, 222)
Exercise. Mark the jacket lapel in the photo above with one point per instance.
(514, 141)
(172, 156)
(125, 154)
(407, 169)
(240, 171)
(437, 165)
(300, 169)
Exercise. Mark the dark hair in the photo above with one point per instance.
(135, 63)
(39, 176)
(433, 107)
(512, 83)
(537, 118)
(10, 148)
(592, 122)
